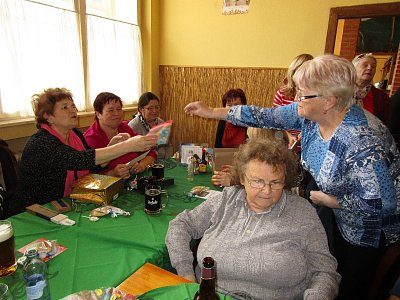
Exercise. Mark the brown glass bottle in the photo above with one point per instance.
(207, 282)
(203, 163)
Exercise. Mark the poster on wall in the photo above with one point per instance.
(232, 7)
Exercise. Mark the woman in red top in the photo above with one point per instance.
(108, 125)
(228, 135)
(367, 96)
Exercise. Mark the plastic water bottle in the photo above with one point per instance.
(35, 275)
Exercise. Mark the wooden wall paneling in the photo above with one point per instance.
(181, 85)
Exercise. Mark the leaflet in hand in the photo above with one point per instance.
(163, 130)
(137, 159)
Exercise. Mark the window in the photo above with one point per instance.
(51, 43)
(379, 34)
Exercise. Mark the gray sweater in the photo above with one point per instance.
(281, 253)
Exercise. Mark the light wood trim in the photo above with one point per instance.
(149, 277)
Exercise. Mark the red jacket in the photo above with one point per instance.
(381, 104)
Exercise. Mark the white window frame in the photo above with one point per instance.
(87, 94)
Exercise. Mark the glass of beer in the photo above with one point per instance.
(8, 263)
(152, 199)
(157, 170)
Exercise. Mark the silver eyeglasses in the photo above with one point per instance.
(260, 184)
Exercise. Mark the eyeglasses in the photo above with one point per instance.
(260, 184)
(157, 107)
(301, 98)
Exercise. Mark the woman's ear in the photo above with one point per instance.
(97, 114)
(47, 117)
(331, 102)
(140, 109)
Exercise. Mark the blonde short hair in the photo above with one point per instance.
(289, 89)
(267, 134)
(329, 75)
(362, 56)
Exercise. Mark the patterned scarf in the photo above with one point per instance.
(144, 123)
(361, 93)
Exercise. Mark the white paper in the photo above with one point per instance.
(185, 149)
(208, 194)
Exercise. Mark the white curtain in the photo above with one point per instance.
(40, 48)
(115, 59)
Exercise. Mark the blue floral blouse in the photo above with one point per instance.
(359, 165)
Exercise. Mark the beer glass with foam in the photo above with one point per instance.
(8, 263)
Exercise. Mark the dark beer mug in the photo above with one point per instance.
(152, 199)
(157, 170)
(8, 263)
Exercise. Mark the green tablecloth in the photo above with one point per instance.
(181, 292)
(106, 252)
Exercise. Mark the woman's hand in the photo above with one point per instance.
(141, 143)
(137, 168)
(320, 198)
(120, 137)
(223, 177)
(121, 170)
(142, 165)
(292, 140)
(199, 109)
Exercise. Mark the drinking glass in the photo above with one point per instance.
(8, 263)
(152, 199)
(5, 293)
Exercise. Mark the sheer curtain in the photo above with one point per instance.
(114, 58)
(39, 49)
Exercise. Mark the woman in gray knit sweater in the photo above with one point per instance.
(265, 241)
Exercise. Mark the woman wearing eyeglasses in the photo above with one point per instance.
(109, 127)
(350, 154)
(148, 116)
(366, 94)
(267, 242)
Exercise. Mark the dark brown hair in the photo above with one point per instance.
(146, 98)
(43, 103)
(233, 94)
(102, 99)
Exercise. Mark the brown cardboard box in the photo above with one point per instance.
(223, 156)
(97, 188)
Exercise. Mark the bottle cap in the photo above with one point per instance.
(31, 253)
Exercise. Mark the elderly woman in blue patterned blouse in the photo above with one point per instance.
(351, 155)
